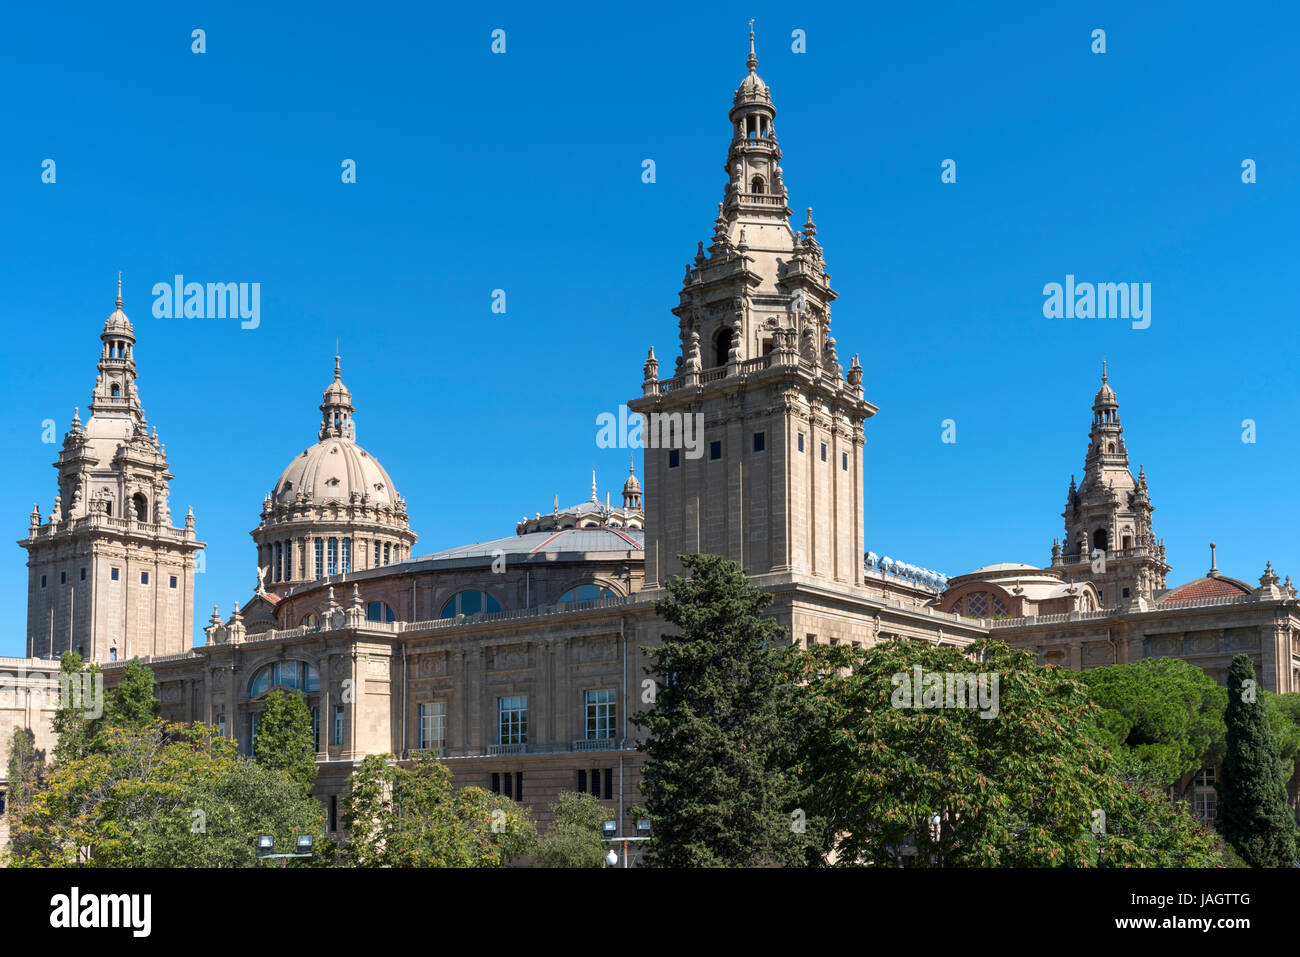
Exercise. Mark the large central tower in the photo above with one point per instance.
(774, 480)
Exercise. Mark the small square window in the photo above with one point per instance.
(823, 451)
(800, 441)
(760, 441)
(1125, 592)
(674, 458)
(144, 578)
(844, 461)
(715, 450)
(114, 574)
(173, 582)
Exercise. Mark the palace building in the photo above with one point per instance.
(518, 659)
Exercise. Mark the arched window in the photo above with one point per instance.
(722, 346)
(141, 507)
(1099, 539)
(585, 593)
(756, 184)
(470, 603)
(289, 675)
(380, 611)
(117, 390)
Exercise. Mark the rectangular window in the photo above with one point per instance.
(320, 558)
(609, 784)
(600, 714)
(334, 812)
(346, 564)
(496, 783)
(221, 723)
(512, 726)
(173, 582)
(338, 724)
(800, 441)
(83, 574)
(674, 458)
(432, 724)
(844, 461)
(1125, 595)
(582, 782)
(278, 561)
(43, 577)
(113, 575)
(388, 557)
(288, 561)
(315, 729)
(519, 785)
(375, 563)
(715, 450)
(63, 578)
(823, 451)
(760, 441)
(332, 561)
(595, 782)
(144, 578)
(510, 785)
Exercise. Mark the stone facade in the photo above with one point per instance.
(520, 660)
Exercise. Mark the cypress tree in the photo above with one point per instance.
(719, 786)
(1253, 814)
(285, 740)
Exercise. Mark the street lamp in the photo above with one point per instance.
(266, 844)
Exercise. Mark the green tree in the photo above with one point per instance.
(166, 795)
(1253, 813)
(285, 740)
(399, 816)
(574, 837)
(133, 704)
(1162, 718)
(24, 768)
(1017, 777)
(1284, 719)
(74, 720)
(719, 783)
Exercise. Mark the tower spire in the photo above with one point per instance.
(1103, 370)
(752, 62)
(118, 302)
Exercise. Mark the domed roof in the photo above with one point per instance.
(1208, 586)
(752, 86)
(117, 324)
(335, 469)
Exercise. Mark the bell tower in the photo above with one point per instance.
(1108, 531)
(109, 575)
(753, 446)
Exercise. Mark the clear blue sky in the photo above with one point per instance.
(522, 172)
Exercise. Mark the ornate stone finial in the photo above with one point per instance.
(810, 228)
(118, 302)
(593, 486)
(651, 368)
(1103, 370)
(1214, 566)
(338, 374)
(36, 516)
(700, 258)
(556, 505)
(76, 418)
(742, 245)
(235, 615)
(752, 62)
(189, 519)
(631, 463)
(855, 372)
(356, 595)
(1269, 577)
(216, 617)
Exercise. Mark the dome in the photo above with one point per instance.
(631, 485)
(1208, 586)
(335, 469)
(752, 87)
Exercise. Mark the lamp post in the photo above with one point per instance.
(266, 844)
(610, 829)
